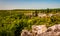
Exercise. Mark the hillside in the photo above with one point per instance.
(12, 22)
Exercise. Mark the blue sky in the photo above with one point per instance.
(29, 4)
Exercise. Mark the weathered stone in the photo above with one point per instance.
(38, 29)
(54, 28)
(26, 33)
(41, 30)
(41, 15)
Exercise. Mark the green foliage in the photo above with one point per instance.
(12, 22)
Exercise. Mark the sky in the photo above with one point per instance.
(29, 4)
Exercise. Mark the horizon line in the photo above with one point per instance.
(29, 9)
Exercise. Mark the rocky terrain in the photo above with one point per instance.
(42, 30)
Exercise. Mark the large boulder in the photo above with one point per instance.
(38, 29)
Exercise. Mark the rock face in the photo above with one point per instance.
(41, 30)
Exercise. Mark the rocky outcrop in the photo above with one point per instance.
(41, 30)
